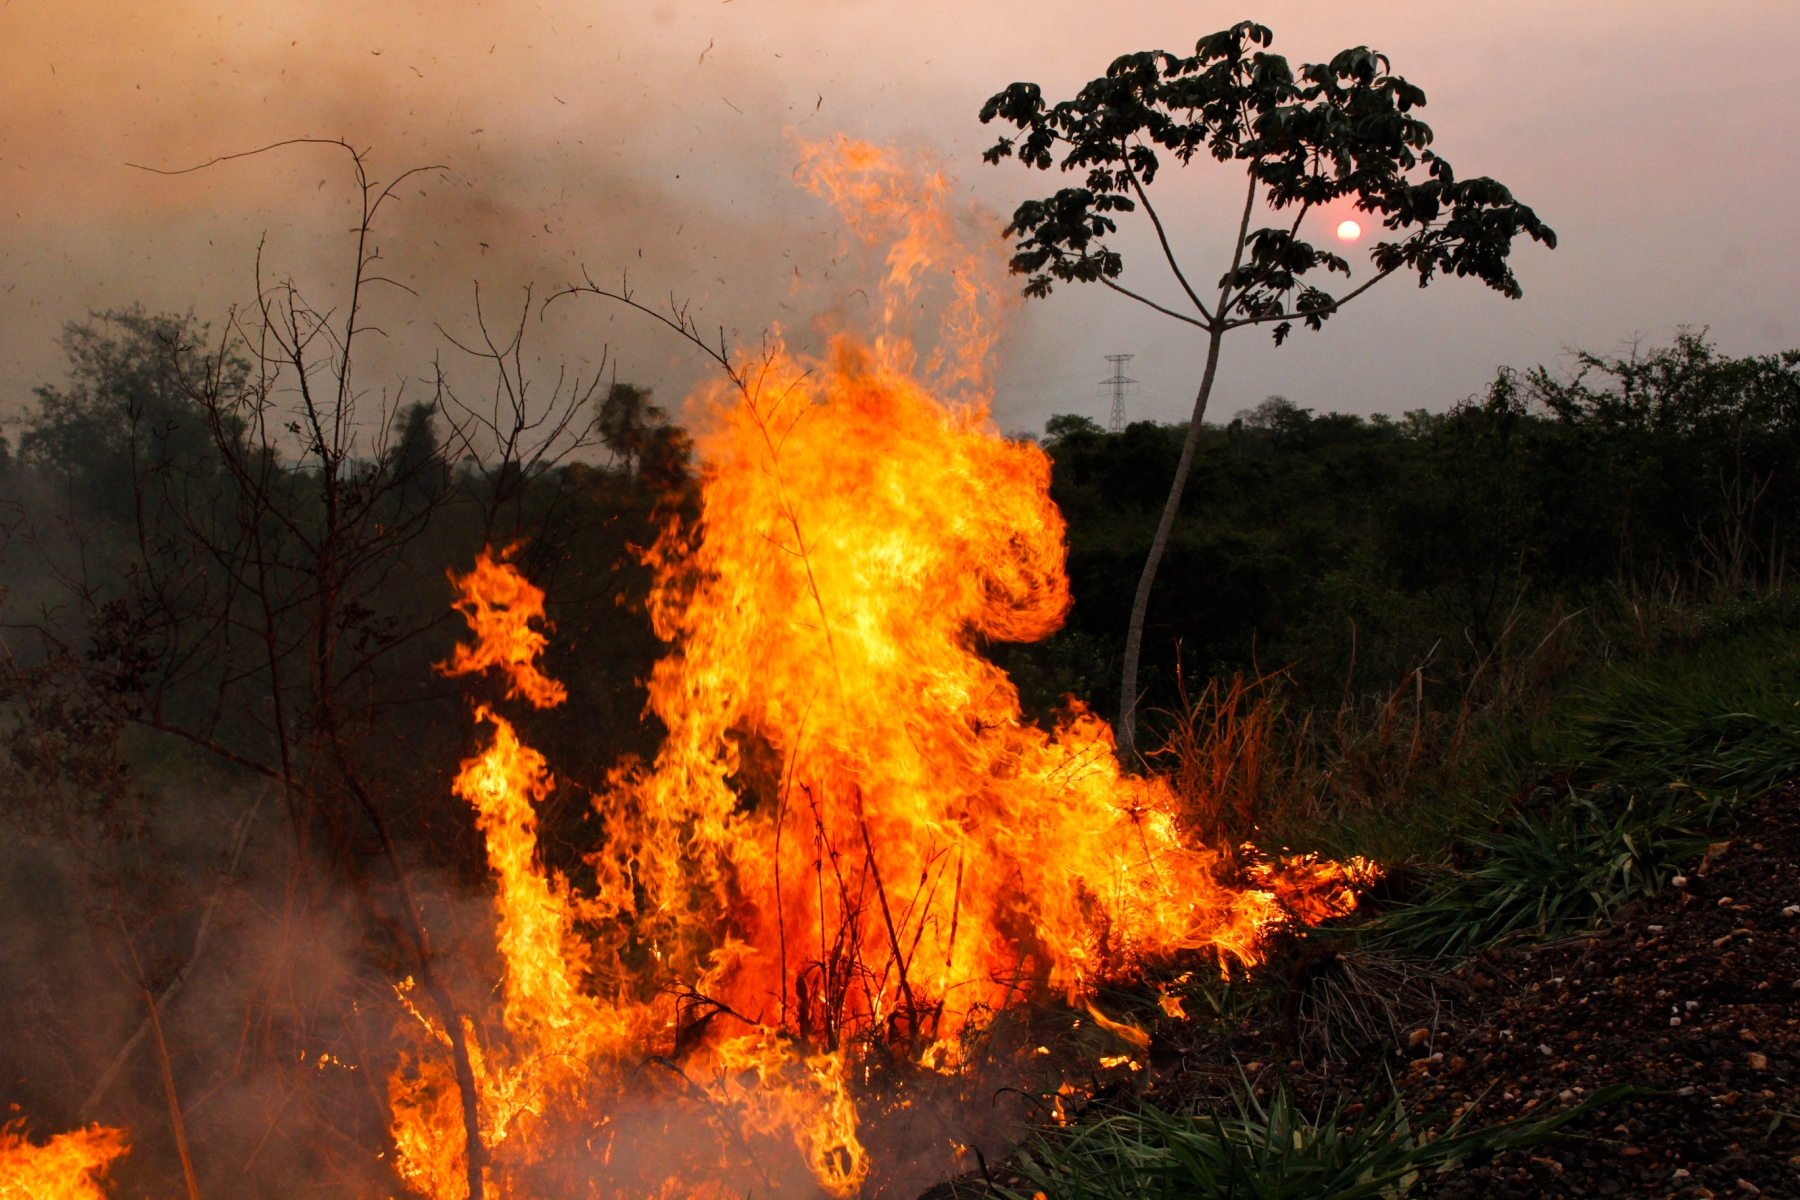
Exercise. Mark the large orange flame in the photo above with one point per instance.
(70, 1166)
(850, 839)
(500, 606)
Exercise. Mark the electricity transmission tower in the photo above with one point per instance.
(1118, 383)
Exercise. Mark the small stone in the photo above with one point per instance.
(1654, 928)
(1545, 1051)
(1792, 910)
(1679, 881)
(1748, 1188)
(1726, 901)
(1686, 1091)
(1629, 1152)
(1720, 941)
(1679, 1173)
(1757, 1061)
(1417, 1036)
(1674, 1021)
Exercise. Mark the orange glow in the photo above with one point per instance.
(499, 606)
(1348, 231)
(850, 848)
(70, 1166)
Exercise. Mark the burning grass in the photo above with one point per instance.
(853, 881)
(851, 856)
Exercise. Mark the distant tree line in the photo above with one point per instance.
(1335, 544)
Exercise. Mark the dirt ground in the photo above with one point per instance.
(1691, 1001)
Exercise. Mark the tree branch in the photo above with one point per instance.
(1167, 312)
(1237, 255)
(1163, 238)
(1333, 307)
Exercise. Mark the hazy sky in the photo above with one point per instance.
(1658, 138)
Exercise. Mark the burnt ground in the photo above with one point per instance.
(1691, 999)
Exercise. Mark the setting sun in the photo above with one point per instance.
(1349, 231)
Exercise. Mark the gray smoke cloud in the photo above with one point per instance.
(653, 137)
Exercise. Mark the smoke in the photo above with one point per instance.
(626, 140)
(192, 901)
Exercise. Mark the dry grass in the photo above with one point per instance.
(1250, 763)
(1341, 1001)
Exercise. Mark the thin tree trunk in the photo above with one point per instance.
(475, 1153)
(181, 976)
(1126, 734)
(168, 1078)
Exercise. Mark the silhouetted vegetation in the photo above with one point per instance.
(227, 594)
(1347, 130)
(1345, 551)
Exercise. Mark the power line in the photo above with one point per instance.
(1118, 383)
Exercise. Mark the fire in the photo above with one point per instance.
(850, 841)
(500, 606)
(70, 1166)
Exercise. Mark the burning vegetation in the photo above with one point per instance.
(70, 1166)
(851, 855)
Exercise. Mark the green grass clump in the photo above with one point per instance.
(1553, 871)
(1722, 716)
(1638, 770)
(1261, 1151)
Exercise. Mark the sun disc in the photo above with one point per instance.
(1349, 231)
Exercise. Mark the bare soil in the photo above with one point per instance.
(1692, 1000)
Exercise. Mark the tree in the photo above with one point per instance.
(123, 411)
(263, 595)
(1341, 129)
(627, 419)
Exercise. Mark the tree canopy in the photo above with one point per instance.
(1343, 128)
